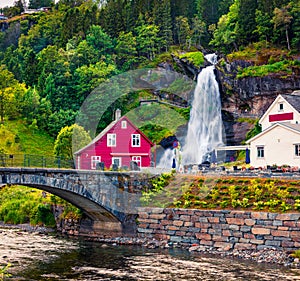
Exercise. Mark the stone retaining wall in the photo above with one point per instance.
(224, 230)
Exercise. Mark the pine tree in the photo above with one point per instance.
(162, 18)
(246, 21)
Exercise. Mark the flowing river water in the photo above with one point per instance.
(46, 257)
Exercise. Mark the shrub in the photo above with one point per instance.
(3, 272)
(284, 207)
(297, 204)
(20, 204)
(196, 58)
(296, 254)
(264, 70)
(272, 204)
(258, 205)
(43, 216)
(223, 204)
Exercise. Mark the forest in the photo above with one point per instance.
(51, 61)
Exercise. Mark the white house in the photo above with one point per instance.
(285, 108)
(279, 141)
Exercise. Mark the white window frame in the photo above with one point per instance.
(111, 140)
(135, 140)
(124, 124)
(120, 161)
(137, 159)
(297, 149)
(94, 161)
(280, 105)
(260, 151)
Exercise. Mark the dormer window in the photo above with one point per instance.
(281, 106)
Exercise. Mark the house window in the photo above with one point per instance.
(117, 161)
(94, 161)
(137, 160)
(136, 140)
(260, 152)
(297, 149)
(111, 139)
(280, 106)
(124, 124)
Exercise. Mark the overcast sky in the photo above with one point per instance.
(4, 3)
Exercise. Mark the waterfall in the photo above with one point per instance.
(204, 132)
(205, 125)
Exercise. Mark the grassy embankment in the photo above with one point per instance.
(187, 191)
(265, 60)
(20, 204)
(16, 137)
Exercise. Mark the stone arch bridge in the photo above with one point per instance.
(109, 199)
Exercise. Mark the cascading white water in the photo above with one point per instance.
(205, 125)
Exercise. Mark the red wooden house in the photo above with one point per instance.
(120, 143)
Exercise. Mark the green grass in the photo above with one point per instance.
(196, 58)
(197, 192)
(156, 116)
(18, 138)
(20, 204)
(284, 67)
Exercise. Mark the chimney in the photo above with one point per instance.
(117, 114)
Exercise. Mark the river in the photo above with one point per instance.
(45, 257)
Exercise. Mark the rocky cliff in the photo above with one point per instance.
(244, 100)
(248, 98)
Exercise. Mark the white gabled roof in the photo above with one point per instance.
(270, 107)
(293, 99)
(292, 127)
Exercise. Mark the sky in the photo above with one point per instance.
(5, 3)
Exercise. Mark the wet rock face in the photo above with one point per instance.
(242, 98)
(248, 97)
(251, 93)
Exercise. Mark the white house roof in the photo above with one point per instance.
(292, 127)
(293, 99)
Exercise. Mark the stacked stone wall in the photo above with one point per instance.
(221, 229)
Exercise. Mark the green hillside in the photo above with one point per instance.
(51, 61)
(18, 138)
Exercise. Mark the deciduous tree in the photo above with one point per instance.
(9, 86)
(69, 137)
(282, 20)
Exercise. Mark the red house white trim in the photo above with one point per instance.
(119, 143)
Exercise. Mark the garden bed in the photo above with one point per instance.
(239, 193)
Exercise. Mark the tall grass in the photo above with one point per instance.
(20, 204)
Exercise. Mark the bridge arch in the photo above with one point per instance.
(109, 199)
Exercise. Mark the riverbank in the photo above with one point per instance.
(25, 232)
(41, 257)
(267, 255)
(28, 228)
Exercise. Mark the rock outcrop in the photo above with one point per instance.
(244, 100)
(248, 97)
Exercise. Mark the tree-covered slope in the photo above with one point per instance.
(51, 61)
